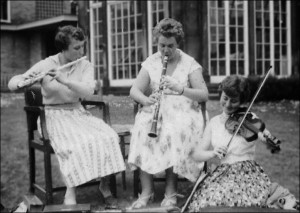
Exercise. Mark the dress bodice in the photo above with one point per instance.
(238, 150)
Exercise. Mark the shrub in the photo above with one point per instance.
(275, 88)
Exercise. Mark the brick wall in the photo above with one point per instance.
(14, 52)
(22, 11)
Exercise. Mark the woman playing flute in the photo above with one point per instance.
(180, 121)
(83, 143)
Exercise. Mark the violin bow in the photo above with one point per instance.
(248, 109)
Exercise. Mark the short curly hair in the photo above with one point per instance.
(235, 86)
(168, 27)
(64, 35)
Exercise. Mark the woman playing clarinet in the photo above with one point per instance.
(239, 181)
(86, 147)
(179, 122)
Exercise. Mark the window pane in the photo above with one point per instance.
(213, 34)
(232, 17)
(222, 50)
(241, 34)
(213, 67)
(241, 67)
(267, 51)
(266, 19)
(240, 18)
(213, 15)
(259, 51)
(233, 68)
(258, 19)
(221, 17)
(213, 53)
(232, 34)
(267, 35)
(258, 67)
(222, 67)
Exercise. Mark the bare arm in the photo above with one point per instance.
(139, 87)
(199, 91)
(202, 152)
(14, 81)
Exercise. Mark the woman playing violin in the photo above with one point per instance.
(239, 180)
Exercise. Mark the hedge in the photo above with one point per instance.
(275, 89)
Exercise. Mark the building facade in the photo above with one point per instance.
(27, 32)
(225, 37)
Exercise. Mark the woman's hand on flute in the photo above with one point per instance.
(57, 75)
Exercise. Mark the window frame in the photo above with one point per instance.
(8, 11)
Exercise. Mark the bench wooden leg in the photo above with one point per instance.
(48, 177)
(136, 182)
(113, 185)
(31, 170)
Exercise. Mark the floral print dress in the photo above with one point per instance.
(238, 180)
(180, 125)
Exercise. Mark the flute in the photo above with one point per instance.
(41, 75)
(153, 130)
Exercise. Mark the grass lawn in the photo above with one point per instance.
(281, 118)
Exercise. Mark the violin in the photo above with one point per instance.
(250, 128)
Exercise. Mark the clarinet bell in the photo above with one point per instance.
(153, 131)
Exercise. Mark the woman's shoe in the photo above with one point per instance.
(70, 196)
(170, 200)
(69, 201)
(142, 201)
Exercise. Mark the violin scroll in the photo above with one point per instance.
(273, 143)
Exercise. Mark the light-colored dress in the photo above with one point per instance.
(180, 125)
(238, 180)
(86, 147)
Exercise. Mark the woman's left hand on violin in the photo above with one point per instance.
(172, 84)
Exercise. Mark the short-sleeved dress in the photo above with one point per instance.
(238, 180)
(86, 147)
(180, 125)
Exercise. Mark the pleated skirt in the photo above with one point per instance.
(86, 147)
(242, 184)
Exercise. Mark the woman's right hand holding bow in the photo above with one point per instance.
(220, 151)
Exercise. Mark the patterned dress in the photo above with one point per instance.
(85, 146)
(180, 125)
(238, 180)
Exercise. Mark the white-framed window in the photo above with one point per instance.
(157, 10)
(228, 40)
(5, 11)
(128, 43)
(97, 40)
(272, 37)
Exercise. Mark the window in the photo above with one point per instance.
(97, 40)
(5, 11)
(157, 10)
(228, 26)
(48, 9)
(126, 39)
(272, 37)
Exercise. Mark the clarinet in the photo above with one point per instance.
(153, 131)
